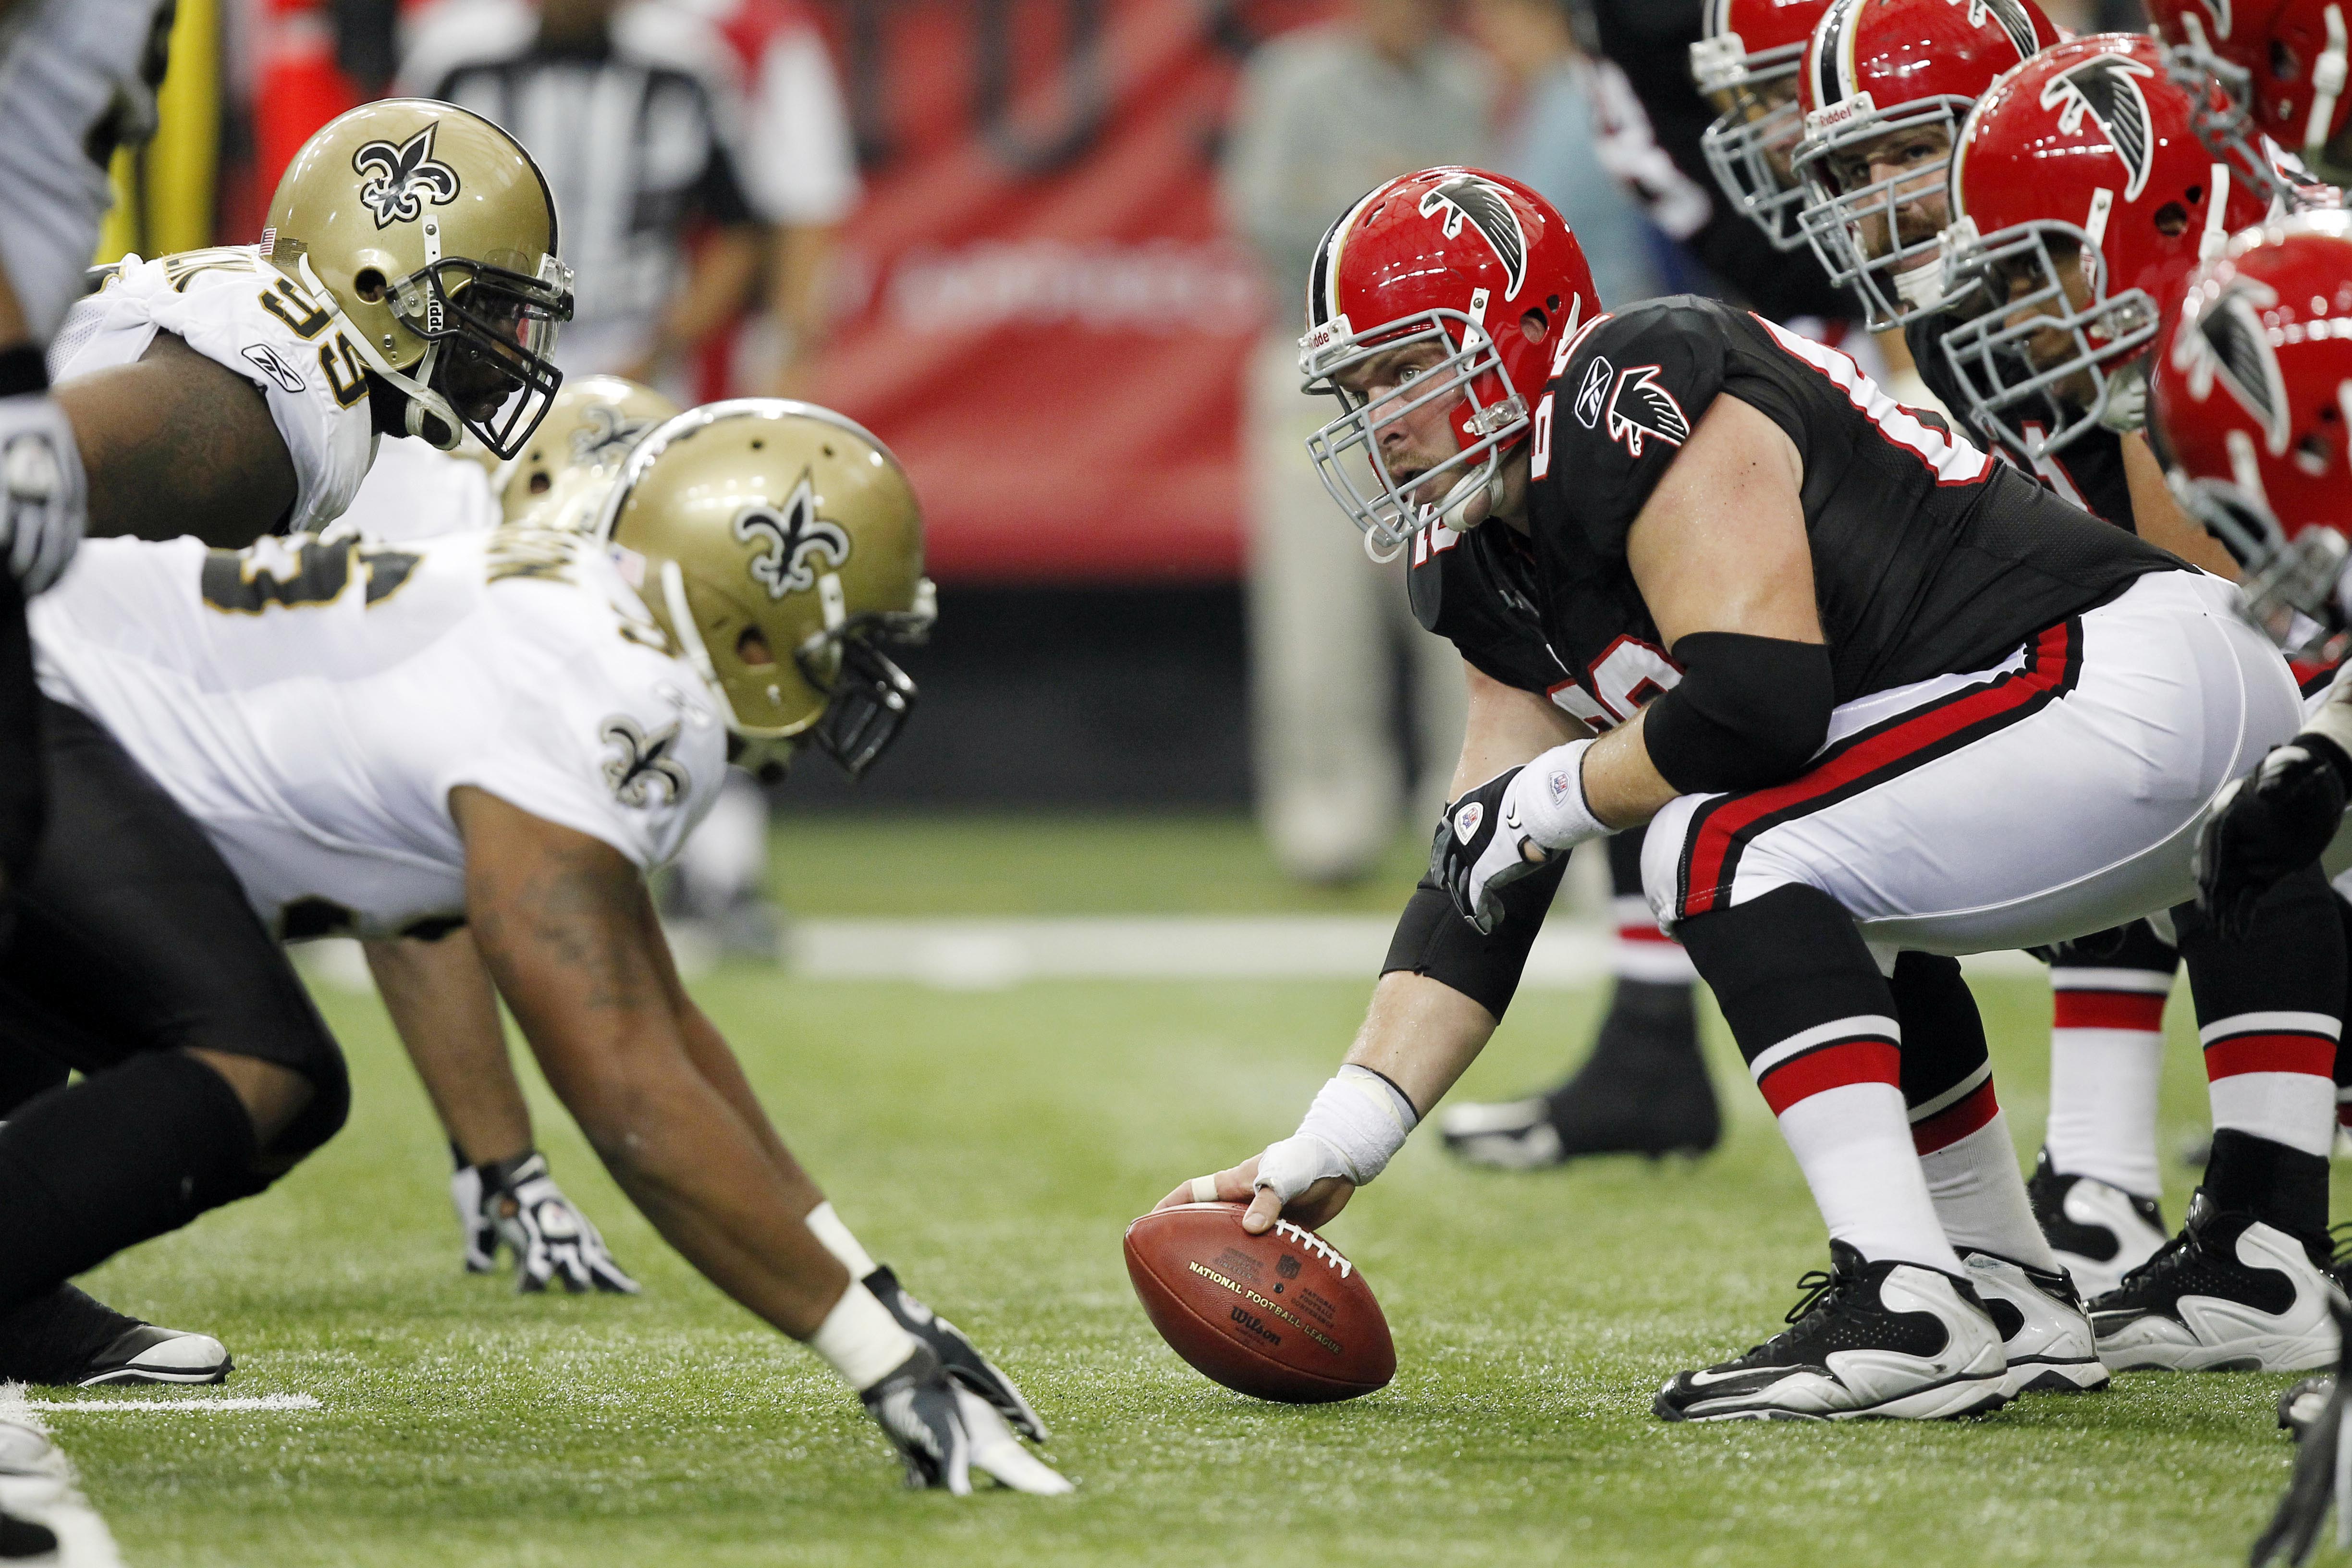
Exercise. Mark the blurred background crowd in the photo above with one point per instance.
(1051, 250)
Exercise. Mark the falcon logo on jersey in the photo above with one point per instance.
(2228, 343)
(792, 537)
(404, 178)
(1592, 389)
(2105, 88)
(606, 433)
(641, 763)
(2014, 20)
(1640, 408)
(1489, 207)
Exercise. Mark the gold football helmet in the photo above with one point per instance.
(435, 232)
(593, 422)
(781, 547)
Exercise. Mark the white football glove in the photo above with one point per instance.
(957, 1353)
(44, 496)
(944, 1432)
(481, 1244)
(550, 1238)
(1483, 838)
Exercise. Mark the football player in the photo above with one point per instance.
(2081, 202)
(507, 729)
(1881, 700)
(1746, 65)
(2281, 67)
(408, 283)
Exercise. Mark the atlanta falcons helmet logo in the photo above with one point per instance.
(2013, 20)
(2106, 88)
(401, 175)
(1488, 207)
(1640, 409)
(792, 537)
(2229, 344)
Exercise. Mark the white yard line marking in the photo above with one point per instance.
(36, 1483)
(194, 1404)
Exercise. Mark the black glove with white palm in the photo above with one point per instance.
(1509, 828)
(2272, 822)
(551, 1240)
(956, 1353)
(944, 1431)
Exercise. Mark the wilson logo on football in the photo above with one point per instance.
(1592, 391)
(1466, 821)
(2103, 88)
(1640, 408)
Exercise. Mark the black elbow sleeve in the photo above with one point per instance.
(1748, 711)
(1432, 939)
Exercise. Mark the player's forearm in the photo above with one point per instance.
(2159, 518)
(442, 1004)
(1622, 787)
(176, 445)
(1422, 1035)
(720, 1067)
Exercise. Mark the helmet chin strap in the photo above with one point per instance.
(1456, 506)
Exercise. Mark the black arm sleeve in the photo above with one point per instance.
(1748, 711)
(1433, 940)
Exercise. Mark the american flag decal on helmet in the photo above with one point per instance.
(2105, 87)
(1487, 208)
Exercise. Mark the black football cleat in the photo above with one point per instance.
(1888, 1340)
(66, 1340)
(23, 1540)
(2099, 1232)
(2230, 1293)
(1643, 1090)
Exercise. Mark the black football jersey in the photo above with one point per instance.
(2089, 472)
(1929, 556)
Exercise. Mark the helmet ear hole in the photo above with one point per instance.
(753, 648)
(369, 285)
(1533, 325)
(2171, 220)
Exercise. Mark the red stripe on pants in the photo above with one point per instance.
(1832, 1067)
(2314, 1054)
(1956, 1121)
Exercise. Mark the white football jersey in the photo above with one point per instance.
(313, 702)
(76, 78)
(238, 310)
(416, 490)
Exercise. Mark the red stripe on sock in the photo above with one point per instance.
(1956, 1121)
(2140, 1010)
(1643, 934)
(2313, 1053)
(1832, 1067)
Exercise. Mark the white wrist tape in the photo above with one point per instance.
(861, 1339)
(1357, 1124)
(2333, 719)
(1546, 802)
(826, 1226)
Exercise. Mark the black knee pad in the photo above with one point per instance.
(1943, 1032)
(2292, 958)
(1784, 963)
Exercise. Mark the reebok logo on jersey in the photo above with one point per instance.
(1466, 821)
(640, 763)
(403, 178)
(265, 359)
(792, 536)
(1592, 389)
(1640, 408)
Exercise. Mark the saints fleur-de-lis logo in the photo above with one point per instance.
(605, 433)
(402, 179)
(641, 761)
(791, 537)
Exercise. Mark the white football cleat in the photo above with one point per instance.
(2230, 1293)
(2045, 1332)
(2099, 1232)
(1887, 1338)
(148, 1354)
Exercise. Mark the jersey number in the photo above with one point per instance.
(1629, 673)
(350, 382)
(295, 572)
(1539, 459)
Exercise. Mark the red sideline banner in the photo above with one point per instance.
(1043, 312)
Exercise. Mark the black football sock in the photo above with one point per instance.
(23, 1075)
(132, 1154)
(2278, 1185)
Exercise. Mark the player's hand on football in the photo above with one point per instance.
(553, 1241)
(2274, 821)
(2318, 1482)
(944, 1432)
(1314, 1205)
(957, 1353)
(1480, 848)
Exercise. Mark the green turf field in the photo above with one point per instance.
(991, 1145)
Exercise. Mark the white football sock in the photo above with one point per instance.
(1642, 951)
(2272, 1075)
(1979, 1196)
(1853, 1145)
(2102, 1087)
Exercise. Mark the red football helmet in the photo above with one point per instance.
(1875, 72)
(1745, 65)
(2251, 401)
(2082, 158)
(1474, 261)
(2280, 68)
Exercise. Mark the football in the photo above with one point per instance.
(1281, 1316)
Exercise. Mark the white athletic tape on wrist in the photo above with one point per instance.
(826, 1226)
(1547, 800)
(1357, 1124)
(860, 1339)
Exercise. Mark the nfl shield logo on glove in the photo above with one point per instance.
(1466, 821)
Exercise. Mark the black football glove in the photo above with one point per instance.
(957, 1353)
(550, 1238)
(2272, 822)
(1478, 852)
(2316, 1482)
(944, 1432)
